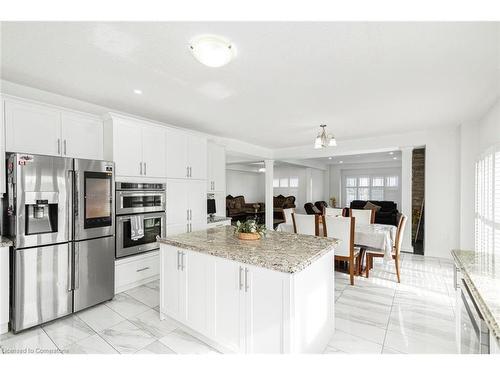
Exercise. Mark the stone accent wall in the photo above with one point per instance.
(418, 190)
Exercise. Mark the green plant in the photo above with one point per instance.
(250, 226)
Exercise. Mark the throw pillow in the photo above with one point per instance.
(371, 206)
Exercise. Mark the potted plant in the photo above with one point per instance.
(249, 230)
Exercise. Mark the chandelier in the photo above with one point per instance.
(324, 139)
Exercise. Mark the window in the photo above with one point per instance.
(487, 203)
(284, 182)
(366, 187)
(294, 182)
(276, 182)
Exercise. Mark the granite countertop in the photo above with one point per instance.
(5, 241)
(278, 251)
(481, 272)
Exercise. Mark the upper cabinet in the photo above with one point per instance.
(216, 167)
(138, 148)
(186, 155)
(46, 130)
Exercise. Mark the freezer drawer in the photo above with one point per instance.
(42, 285)
(94, 271)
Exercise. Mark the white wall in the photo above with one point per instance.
(249, 184)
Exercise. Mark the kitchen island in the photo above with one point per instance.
(273, 295)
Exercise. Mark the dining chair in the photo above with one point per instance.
(287, 214)
(330, 211)
(305, 224)
(396, 249)
(342, 228)
(362, 216)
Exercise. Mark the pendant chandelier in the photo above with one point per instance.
(324, 139)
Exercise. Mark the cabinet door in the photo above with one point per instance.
(264, 310)
(210, 162)
(32, 128)
(127, 145)
(171, 279)
(176, 154)
(197, 157)
(229, 307)
(196, 290)
(153, 151)
(197, 201)
(177, 204)
(81, 136)
(219, 168)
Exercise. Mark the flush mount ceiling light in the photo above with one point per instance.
(323, 139)
(137, 91)
(212, 50)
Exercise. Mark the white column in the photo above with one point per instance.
(308, 185)
(406, 187)
(269, 165)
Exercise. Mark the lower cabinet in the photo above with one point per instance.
(4, 289)
(133, 271)
(239, 307)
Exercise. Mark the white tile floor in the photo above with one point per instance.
(376, 315)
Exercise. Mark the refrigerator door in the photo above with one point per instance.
(93, 199)
(43, 191)
(42, 285)
(94, 275)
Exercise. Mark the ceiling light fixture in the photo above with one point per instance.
(340, 161)
(137, 91)
(212, 50)
(330, 158)
(262, 170)
(391, 153)
(323, 139)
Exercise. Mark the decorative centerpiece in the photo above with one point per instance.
(249, 230)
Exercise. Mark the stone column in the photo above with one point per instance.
(406, 200)
(269, 165)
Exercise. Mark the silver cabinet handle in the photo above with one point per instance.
(143, 269)
(64, 144)
(240, 278)
(187, 171)
(190, 172)
(246, 280)
(140, 168)
(70, 267)
(178, 260)
(190, 214)
(145, 173)
(58, 146)
(214, 185)
(182, 260)
(187, 228)
(187, 214)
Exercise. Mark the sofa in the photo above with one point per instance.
(311, 209)
(279, 203)
(388, 213)
(238, 209)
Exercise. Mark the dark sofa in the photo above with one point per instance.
(238, 209)
(279, 203)
(388, 213)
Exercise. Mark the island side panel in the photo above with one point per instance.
(313, 312)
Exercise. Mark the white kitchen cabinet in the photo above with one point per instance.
(186, 206)
(237, 307)
(2, 148)
(82, 136)
(216, 167)
(32, 128)
(46, 130)
(138, 148)
(229, 324)
(186, 155)
(4, 289)
(130, 272)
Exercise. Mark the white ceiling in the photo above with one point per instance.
(362, 79)
(374, 157)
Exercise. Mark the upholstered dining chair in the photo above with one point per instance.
(396, 249)
(305, 224)
(342, 228)
(287, 214)
(330, 211)
(362, 216)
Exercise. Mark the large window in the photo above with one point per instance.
(487, 202)
(370, 187)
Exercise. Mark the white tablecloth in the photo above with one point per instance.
(375, 236)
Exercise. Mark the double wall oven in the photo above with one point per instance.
(139, 205)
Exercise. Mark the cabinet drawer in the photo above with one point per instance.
(134, 271)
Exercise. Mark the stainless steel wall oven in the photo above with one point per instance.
(140, 217)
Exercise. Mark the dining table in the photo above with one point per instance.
(379, 237)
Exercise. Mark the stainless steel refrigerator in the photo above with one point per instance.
(60, 214)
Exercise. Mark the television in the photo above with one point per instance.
(211, 206)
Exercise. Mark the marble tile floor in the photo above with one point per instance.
(376, 315)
